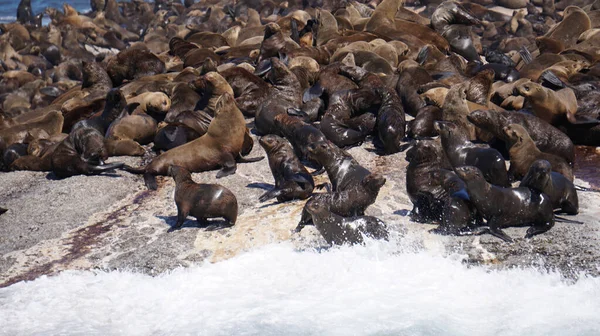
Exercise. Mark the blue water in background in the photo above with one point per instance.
(8, 8)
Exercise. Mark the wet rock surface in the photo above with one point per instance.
(112, 222)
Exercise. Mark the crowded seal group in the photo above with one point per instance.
(487, 107)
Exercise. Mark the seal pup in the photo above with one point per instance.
(299, 133)
(459, 216)
(338, 230)
(550, 105)
(292, 180)
(546, 137)
(391, 122)
(201, 200)
(561, 191)
(424, 190)
(224, 142)
(453, 22)
(285, 93)
(461, 152)
(507, 207)
(81, 153)
(523, 153)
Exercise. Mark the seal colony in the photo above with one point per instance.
(187, 84)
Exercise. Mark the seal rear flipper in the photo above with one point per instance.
(270, 194)
(580, 188)
(318, 172)
(296, 112)
(423, 54)
(584, 120)
(565, 220)
(494, 232)
(97, 169)
(315, 91)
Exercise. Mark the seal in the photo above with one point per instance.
(425, 192)
(459, 216)
(127, 133)
(507, 207)
(456, 109)
(549, 105)
(50, 124)
(12, 153)
(391, 121)
(453, 22)
(338, 230)
(523, 153)
(81, 153)
(201, 200)
(285, 93)
(133, 63)
(561, 191)
(292, 180)
(545, 136)
(422, 125)
(299, 133)
(461, 152)
(224, 142)
(249, 90)
(349, 202)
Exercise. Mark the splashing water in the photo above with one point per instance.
(277, 290)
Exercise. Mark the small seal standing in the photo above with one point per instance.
(338, 230)
(561, 191)
(292, 180)
(507, 207)
(201, 200)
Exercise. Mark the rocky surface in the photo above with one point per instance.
(113, 222)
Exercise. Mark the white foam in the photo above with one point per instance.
(276, 290)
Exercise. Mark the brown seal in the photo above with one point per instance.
(249, 90)
(524, 152)
(133, 63)
(424, 190)
(461, 152)
(546, 137)
(126, 134)
(50, 124)
(550, 105)
(507, 207)
(152, 102)
(573, 24)
(201, 200)
(422, 125)
(456, 109)
(224, 143)
(561, 191)
(338, 230)
(292, 180)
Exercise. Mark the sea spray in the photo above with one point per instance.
(378, 289)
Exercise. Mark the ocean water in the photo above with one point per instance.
(8, 8)
(377, 289)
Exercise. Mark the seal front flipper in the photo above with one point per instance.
(580, 188)
(296, 112)
(3, 210)
(315, 91)
(242, 159)
(525, 55)
(181, 216)
(228, 165)
(423, 54)
(552, 79)
(565, 220)
(263, 67)
(270, 194)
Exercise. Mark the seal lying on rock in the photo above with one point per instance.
(561, 191)
(507, 207)
(523, 153)
(292, 180)
(338, 230)
(201, 200)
